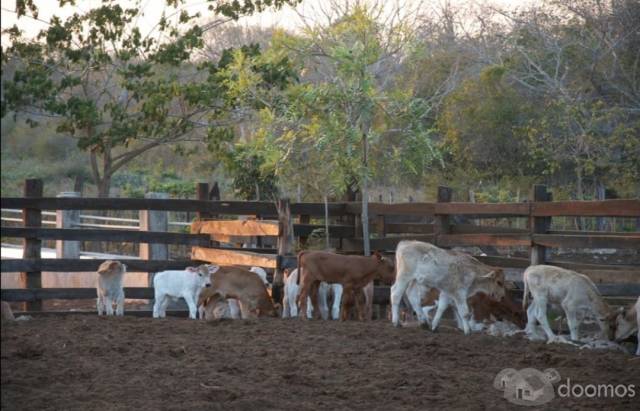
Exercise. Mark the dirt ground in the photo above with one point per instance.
(88, 362)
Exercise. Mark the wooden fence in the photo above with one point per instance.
(444, 223)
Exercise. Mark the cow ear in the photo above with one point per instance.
(377, 255)
(191, 269)
(213, 268)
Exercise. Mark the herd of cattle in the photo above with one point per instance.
(424, 278)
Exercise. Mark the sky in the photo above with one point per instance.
(287, 17)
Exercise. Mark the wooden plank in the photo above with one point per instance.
(476, 229)
(582, 241)
(214, 207)
(351, 245)
(91, 265)
(232, 257)
(493, 209)
(409, 228)
(603, 208)
(421, 209)
(133, 236)
(498, 240)
(34, 294)
(504, 261)
(239, 228)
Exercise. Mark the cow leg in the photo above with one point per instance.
(462, 308)
(337, 299)
(305, 287)
(414, 295)
(313, 294)
(443, 303)
(531, 318)
(572, 320)
(109, 305)
(541, 316)
(193, 308)
(100, 305)
(397, 291)
(323, 291)
(120, 304)
(361, 304)
(347, 297)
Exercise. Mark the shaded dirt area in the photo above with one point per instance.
(89, 362)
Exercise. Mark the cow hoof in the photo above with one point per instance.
(397, 325)
(424, 326)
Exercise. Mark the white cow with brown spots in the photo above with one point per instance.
(109, 287)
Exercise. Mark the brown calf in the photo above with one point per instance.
(245, 286)
(351, 271)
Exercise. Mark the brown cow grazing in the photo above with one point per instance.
(351, 271)
(243, 285)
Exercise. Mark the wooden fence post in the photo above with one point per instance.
(285, 246)
(154, 220)
(539, 225)
(443, 221)
(32, 217)
(304, 219)
(68, 219)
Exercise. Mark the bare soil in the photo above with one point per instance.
(88, 362)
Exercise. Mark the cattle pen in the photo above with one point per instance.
(71, 360)
(217, 236)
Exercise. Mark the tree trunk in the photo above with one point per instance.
(579, 195)
(327, 243)
(365, 197)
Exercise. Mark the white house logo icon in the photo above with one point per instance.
(527, 386)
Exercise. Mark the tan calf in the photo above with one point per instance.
(243, 285)
(351, 271)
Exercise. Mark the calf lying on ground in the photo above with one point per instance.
(109, 287)
(351, 271)
(628, 322)
(576, 293)
(291, 290)
(175, 284)
(456, 275)
(483, 308)
(242, 285)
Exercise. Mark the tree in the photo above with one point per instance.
(119, 91)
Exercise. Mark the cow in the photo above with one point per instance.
(628, 322)
(109, 287)
(351, 271)
(291, 289)
(456, 275)
(483, 308)
(175, 284)
(575, 293)
(261, 273)
(244, 286)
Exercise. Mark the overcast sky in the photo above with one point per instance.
(286, 17)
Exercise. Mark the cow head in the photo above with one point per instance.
(385, 270)
(624, 324)
(111, 267)
(203, 275)
(495, 285)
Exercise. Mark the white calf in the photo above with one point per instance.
(455, 274)
(174, 284)
(628, 322)
(291, 290)
(109, 287)
(575, 293)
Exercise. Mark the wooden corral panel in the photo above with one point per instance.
(498, 240)
(422, 209)
(604, 208)
(503, 209)
(233, 257)
(69, 265)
